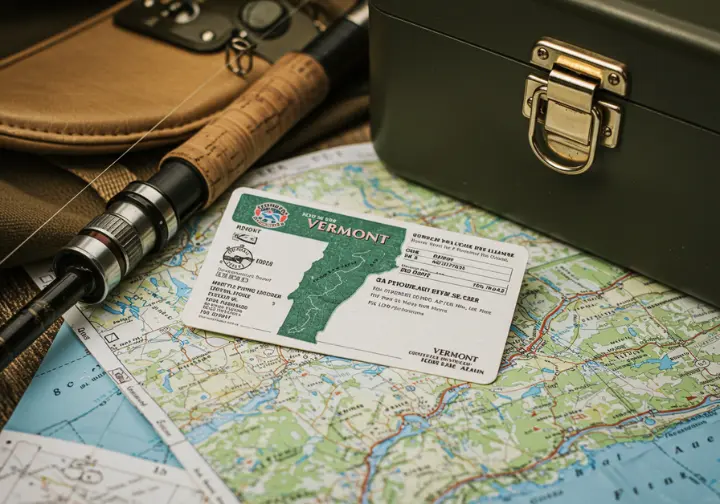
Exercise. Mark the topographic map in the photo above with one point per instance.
(72, 398)
(608, 389)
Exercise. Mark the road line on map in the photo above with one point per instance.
(575, 434)
(654, 441)
(676, 344)
(578, 434)
(571, 299)
(366, 462)
(564, 303)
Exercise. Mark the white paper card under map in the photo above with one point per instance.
(39, 469)
(316, 278)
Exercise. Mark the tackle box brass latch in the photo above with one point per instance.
(575, 121)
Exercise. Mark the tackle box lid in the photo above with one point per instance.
(671, 48)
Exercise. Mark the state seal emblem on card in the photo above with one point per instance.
(270, 215)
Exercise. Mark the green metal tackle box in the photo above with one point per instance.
(594, 121)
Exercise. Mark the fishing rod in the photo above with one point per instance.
(144, 216)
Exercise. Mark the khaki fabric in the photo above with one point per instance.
(97, 88)
(32, 190)
(110, 88)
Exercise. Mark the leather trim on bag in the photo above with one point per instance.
(97, 88)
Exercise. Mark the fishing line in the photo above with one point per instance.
(284, 18)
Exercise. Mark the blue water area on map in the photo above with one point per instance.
(517, 235)
(183, 290)
(177, 259)
(353, 169)
(203, 431)
(550, 284)
(413, 425)
(664, 363)
(71, 398)
(309, 449)
(113, 310)
(504, 494)
(176, 334)
(134, 310)
(502, 418)
(518, 332)
(327, 380)
(533, 391)
(329, 359)
(367, 368)
(546, 370)
(632, 331)
(166, 383)
(680, 465)
(374, 370)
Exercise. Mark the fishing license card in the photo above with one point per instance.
(319, 279)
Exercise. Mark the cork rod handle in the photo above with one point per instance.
(224, 149)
